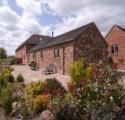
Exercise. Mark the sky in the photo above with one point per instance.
(19, 19)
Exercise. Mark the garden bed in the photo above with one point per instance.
(93, 93)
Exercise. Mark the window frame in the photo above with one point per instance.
(114, 49)
(33, 54)
(41, 54)
(56, 52)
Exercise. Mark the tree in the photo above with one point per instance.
(3, 53)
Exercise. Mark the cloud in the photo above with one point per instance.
(66, 7)
(75, 13)
(15, 27)
(31, 7)
(8, 16)
(8, 25)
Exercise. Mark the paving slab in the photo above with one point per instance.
(31, 75)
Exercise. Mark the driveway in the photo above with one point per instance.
(31, 75)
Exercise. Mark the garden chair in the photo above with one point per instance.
(49, 69)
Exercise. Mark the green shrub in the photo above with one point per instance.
(63, 109)
(54, 87)
(20, 78)
(3, 82)
(35, 88)
(79, 71)
(11, 69)
(24, 111)
(6, 99)
(5, 77)
(53, 83)
(9, 78)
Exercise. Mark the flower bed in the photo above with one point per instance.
(95, 92)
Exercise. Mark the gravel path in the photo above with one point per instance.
(31, 75)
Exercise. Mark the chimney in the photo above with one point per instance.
(52, 34)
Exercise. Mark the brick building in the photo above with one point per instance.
(61, 51)
(22, 50)
(116, 41)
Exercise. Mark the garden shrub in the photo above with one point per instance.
(101, 95)
(24, 111)
(9, 77)
(35, 88)
(53, 83)
(65, 109)
(79, 71)
(96, 91)
(11, 69)
(40, 103)
(32, 90)
(54, 87)
(6, 99)
(5, 77)
(37, 93)
(3, 82)
(20, 78)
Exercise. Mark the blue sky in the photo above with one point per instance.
(19, 19)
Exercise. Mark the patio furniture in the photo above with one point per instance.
(49, 70)
(33, 65)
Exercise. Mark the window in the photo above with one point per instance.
(33, 55)
(56, 52)
(114, 49)
(41, 54)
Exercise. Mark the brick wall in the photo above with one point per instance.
(62, 63)
(117, 36)
(88, 43)
(22, 53)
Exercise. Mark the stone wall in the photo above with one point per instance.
(90, 45)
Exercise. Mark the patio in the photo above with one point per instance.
(32, 76)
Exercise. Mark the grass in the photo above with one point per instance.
(5, 61)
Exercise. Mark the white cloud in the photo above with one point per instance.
(68, 7)
(8, 16)
(15, 28)
(65, 7)
(75, 13)
(31, 7)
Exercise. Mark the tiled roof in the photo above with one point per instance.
(34, 40)
(66, 37)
